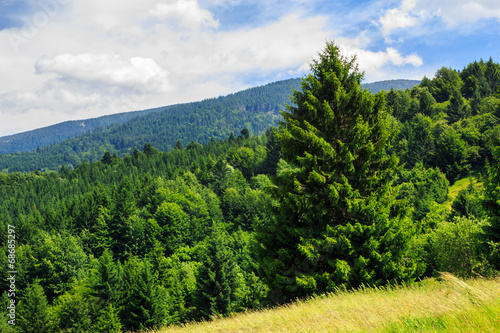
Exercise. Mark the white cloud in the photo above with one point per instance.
(376, 64)
(399, 17)
(122, 55)
(188, 12)
(113, 70)
(416, 13)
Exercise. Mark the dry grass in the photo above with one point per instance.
(449, 305)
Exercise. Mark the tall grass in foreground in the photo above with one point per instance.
(447, 305)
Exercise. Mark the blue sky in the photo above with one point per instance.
(75, 59)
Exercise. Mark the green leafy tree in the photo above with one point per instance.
(420, 142)
(422, 187)
(426, 101)
(108, 321)
(450, 153)
(467, 203)
(336, 224)
(457, 109)
(178, 145)
(455, 246)
(105, 280)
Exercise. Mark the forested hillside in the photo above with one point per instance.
(31, 140)
(255, 109)
(86, 140)
(387, 85)
(351, 189)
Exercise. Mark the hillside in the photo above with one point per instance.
(255, 109)
(70, 143)
(387, 85)
(41, 137)
(161, 238)
(449, 305)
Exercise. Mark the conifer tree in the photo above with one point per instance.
(491, 203)
(33, 311)
(218, 282)
(336, 225)
(145, 303)
(105, 280)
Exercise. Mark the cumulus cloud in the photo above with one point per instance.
(375, 64)
(399, 17)
(113, 70)
(416, 13)
(122, 55)
(188, 12)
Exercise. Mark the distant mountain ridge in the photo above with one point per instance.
(70, 143)
(387, 85)
(38, 138)
(41, 137)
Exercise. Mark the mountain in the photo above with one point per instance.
(387, 85)
(255, 109)
(41, 137)
(72, 142)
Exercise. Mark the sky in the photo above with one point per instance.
(76, 59)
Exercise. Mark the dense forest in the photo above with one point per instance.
(73, 142)
(255, 109)
(38, 138)
(350, 189)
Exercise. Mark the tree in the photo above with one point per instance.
(178, 145)
(457, 109)
(218, 280)
(337, 224)
(34, 311)
(145, 302)
(420, 141)
(491, 204)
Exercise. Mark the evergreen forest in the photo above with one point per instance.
(348, 189)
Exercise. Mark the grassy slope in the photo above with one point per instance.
(449, 305)
(461, 185)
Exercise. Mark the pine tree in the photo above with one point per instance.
(217, 282)
(491, 203)
(105, 280)
(145, 302)
(33, 311)
(108, 320)
(336, 224)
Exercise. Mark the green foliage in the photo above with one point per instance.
(108, 321)
(455, 246)
(55, 260)
(144, 303)
(219, 280)
(72, 311)
(336, 224)
(319, 204)
(492, 205)
(33, 313)
(468, 203)
(422, 187)
(5, 314)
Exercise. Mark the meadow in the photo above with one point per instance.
(446, 304)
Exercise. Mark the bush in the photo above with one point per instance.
(455, 246)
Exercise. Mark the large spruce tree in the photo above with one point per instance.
(491, 203)
(336, 223)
